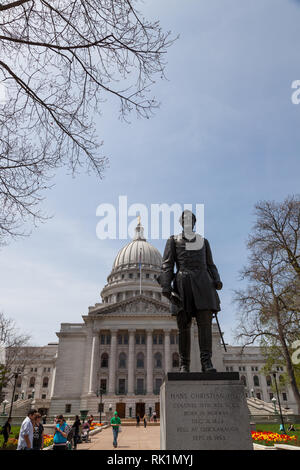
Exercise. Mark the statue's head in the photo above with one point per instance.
(187, 220)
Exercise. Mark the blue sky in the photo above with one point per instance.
(226, 135)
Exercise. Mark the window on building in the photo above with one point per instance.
(35, 370)
(140, 338)
(269, 381)
(49, 369)
(244, 380)
(256, 381)
(122, 361)
(120, 339)
(45, 369)
(44, 397)
(19, 382)
(104, 360)
(172, 339)
(271, 395)
(158, 382)
(125, 339)
(140, 386)
(140, 360)
(160, 339)
(175, 360)
(154, 337)
(68, 408)
(258, 395)
(147, 276)
(158, 360)
(32, 382)
(45, 382)
(122, 384)
(103, 384)
(102, 339)
(130, 275)
(284, 396)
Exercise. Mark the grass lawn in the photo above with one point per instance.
(274, 427)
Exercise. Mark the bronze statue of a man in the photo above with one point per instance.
(192, 289)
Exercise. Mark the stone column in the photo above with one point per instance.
(112, 363)
(131, 362)
(167, 351)
(149, 362)
(53, 381)
(93, 371)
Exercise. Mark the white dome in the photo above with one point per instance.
(138, 251)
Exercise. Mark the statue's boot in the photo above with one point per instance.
(204, 321)
(184, 343)
(206, 363)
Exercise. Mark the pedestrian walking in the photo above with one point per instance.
(6, 431)
(115, 423)
(38, 433)
(154, 416)
(138, 420)
(60, 435)
(26, 432)
(76, 428)
(145, 420)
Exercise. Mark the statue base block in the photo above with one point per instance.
(204, 411)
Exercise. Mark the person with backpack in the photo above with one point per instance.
(61, 434)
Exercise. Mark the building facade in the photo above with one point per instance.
(118, 356)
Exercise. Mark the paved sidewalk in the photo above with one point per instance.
(131, 438)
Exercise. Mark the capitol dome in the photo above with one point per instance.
(137, 251)
(134, 271)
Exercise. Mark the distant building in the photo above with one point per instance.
(125, 345)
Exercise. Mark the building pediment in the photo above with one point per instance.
(138, 304)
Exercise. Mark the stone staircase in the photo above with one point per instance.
(260, 407)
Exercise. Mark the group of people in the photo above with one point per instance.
(138, 419)
(31, 435)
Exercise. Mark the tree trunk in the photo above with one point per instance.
(290, 369)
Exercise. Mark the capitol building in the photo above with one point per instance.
(118, 356)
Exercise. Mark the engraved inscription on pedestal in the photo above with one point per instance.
(203, 415)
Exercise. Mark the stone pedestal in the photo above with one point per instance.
(201, 411)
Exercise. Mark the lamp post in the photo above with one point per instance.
(16, 375)
(4, 403)
(100, 392)
(274, 404)
(279, 404)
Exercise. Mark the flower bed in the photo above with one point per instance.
(269, 438)
(95, 426)
(48, 440)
